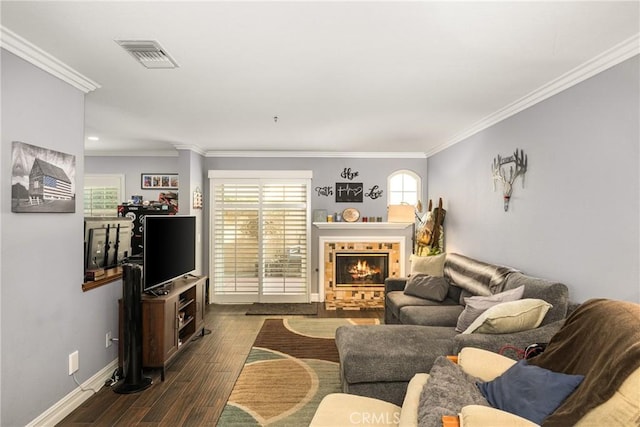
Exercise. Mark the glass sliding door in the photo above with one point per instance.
(259, 239)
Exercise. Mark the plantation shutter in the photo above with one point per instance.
(284, 239)
(102, 195)
(260, 235)
(235, 238)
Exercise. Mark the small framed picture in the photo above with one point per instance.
(159, 181)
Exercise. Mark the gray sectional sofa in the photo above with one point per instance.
(379, 360)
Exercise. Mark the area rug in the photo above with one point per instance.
(274, 309)
(292, 365)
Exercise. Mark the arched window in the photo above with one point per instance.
(404, 187)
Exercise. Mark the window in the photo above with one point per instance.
(102, 194)
(259, 239)
(404, 187)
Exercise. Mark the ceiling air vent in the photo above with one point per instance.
(149, 53)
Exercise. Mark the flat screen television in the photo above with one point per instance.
(169, 249)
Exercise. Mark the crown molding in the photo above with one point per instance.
(609, 58)
(361, 155)
(41, 59)
(150, 153)
(193, 148)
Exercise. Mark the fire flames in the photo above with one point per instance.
(362, 270)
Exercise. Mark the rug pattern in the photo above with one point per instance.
(292, 365)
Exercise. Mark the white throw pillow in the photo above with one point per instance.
(431, 265)
(511, 316)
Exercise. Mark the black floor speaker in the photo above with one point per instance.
(134, 380)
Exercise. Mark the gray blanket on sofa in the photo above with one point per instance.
(446, 392)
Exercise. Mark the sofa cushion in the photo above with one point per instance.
(346, 409)
(411, 402)
(395, 300)
(432, 265)
(529, 391)
(443, 315)
(477, 305)
(427, 286)
(510, 316)
(447, 391)
(555, 293)
(389, 353)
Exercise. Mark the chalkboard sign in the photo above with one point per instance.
(349, 192)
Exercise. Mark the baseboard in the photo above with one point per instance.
(315, 298)
(73, 400)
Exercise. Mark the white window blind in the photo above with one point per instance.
(260, 233)
(102, 194)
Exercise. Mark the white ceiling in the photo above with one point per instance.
(340, 76)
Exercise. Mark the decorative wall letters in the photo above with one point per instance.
(324, 191)
(347, 174)
(374, 192)
(349, 192)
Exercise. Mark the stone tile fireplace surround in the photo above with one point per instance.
(366, 289)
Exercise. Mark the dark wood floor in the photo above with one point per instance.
(197, 383)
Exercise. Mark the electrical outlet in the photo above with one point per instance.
(73, 362)
(108, 341)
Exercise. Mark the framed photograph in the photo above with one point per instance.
(159, 181)
(42, 180)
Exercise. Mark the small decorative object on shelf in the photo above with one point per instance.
(519, 160)
(319, 215)
(351, 215)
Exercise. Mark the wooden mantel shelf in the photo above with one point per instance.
(362, 225)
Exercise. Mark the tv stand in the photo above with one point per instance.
(171, 321)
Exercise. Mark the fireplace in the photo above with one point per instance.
(361, 269)
(349, 286)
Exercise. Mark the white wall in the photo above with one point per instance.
(577, 219)
(45, 314)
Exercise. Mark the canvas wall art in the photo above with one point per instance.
(42, 180)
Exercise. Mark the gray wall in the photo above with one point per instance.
(132, 168)
(187, 164)
(192, 176)
(45, 315)
(326, 172)
(577, 219)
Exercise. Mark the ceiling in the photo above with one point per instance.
(331, 77)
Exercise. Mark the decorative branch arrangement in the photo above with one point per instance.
(519, 160)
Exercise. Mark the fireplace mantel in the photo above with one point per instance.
(362, 225)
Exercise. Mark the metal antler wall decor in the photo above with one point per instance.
(518, 168)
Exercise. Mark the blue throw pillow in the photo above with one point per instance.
(529, 391)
